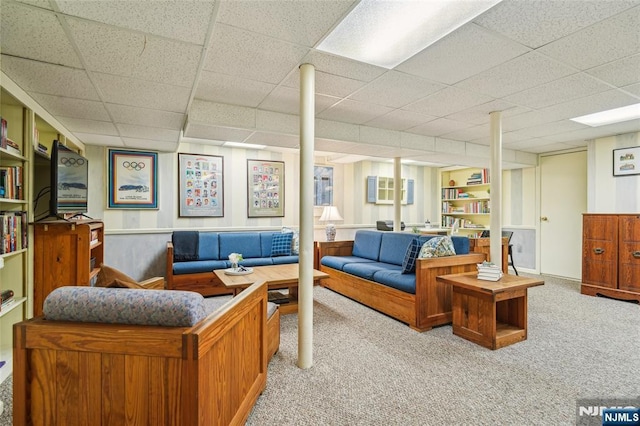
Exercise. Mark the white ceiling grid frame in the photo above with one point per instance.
(231, 89)
(146, 117)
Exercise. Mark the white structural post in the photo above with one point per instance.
(496, 188)
(397, 193)
(305, 285)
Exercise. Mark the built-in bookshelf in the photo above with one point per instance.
(465, 200)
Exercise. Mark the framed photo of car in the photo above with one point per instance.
(626, 161)
(133, 179)
(201, 185)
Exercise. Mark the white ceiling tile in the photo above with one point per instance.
(507, 137)
(527, 119)
(146, 94)
(419, 142)
(565, 89)
(620, 73)
(74, 108)
(548, 129)
(43, 4)
(336, 130)
(221, 114)
(143, 132)
(88, 126)
(469, 134)
(238, 52)
(146, 117)
(302, 22)
(523, 72)
(220, 133)
(537, 22)
(541, 146)
(439, 127)
(395, 89)
(327, 84)
(49, 79)
(597, 132)
(447, 101)
(633, 89)
(605, 41)
(333, 145)
(118, 51)
(590, 104)
(34, 33)
(186, 20)
(105, 140)
(155, 145)
(337, 65)
(274, 139)
(463, 53)
(375, 136)
(450, 147)
(277, 122)
(287, 100)
(400, 120)
(479, 114)
(231, 89)
(353, 112)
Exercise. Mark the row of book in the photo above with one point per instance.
(478, 178)
(12, 182)
(489, 271)
(13, 231)
(7, 298)
(475, 207)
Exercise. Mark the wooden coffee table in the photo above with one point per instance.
(491, 314)
(276, 277)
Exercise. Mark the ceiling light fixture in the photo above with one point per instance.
(616, 115)
(386, 33)
(244, 145)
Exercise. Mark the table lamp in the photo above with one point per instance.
(329, 215)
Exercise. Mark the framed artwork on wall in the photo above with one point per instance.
(133, 179)
(201, 185)
(626, 161)
(265, 189)
(322, 186)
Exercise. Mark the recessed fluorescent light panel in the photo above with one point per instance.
(616, 115)
(386, 33)
(244, 145)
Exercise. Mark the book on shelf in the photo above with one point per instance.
(3, 133)
(7, 297)
(12, 147)
(13, 231)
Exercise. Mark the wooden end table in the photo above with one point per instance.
(491, 314)
(276, 277)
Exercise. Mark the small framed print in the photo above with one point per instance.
(133, 179)
(265, 189)
(201, 185)
(322, 186)
(626, 161)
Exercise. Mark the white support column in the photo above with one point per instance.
(496, 187)
(397, 194)
(305, 285)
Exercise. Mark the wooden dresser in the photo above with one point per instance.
(611, 255)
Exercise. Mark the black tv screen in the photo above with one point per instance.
(69, 181)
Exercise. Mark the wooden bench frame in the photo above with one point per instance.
(70, 373)
(430, 306)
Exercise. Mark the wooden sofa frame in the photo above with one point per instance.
(205, 283)
(430, 306)
(70, 373)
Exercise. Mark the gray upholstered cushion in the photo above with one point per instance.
(169, 308)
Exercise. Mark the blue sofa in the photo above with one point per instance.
(369, 269)
(191, 268)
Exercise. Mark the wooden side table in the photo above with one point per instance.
(491, 314)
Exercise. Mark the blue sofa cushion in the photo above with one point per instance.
(437, 247)
(397, 280)
(409, 262)
(366, 244)
(266, 240)
(245, 243)
(394, 246)
(338, 262)
(208, 246)
(196, 266)
(366, 270)
(281, 244)
(282, 260)
(255, 261)
(460, 244)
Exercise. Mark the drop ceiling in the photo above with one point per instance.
(144, 74)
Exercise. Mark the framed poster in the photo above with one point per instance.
(265, 192)
(201, 187)
(133, 179)
(322, 186)
(626, 161)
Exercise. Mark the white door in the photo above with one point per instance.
(563, 199)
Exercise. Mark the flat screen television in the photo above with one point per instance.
(69, 181)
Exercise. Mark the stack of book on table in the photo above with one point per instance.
(489, 271)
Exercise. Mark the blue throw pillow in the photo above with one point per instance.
(409, 262)
(281, 244)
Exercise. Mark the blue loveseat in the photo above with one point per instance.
(369, 269)
(192, 256)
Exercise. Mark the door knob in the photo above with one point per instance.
(544, 219)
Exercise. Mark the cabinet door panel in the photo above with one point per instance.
(599, 251)
(629, 278)
(602, 228)
(602, 274)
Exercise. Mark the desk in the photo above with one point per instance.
(491, 314)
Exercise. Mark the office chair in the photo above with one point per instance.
(508, 234)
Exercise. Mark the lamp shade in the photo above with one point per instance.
(330, 214)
